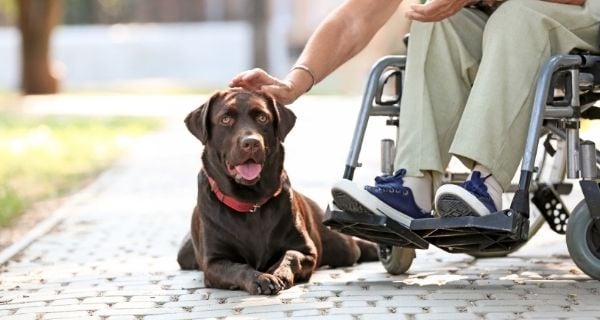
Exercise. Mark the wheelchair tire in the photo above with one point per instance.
(583, 240)
(396, 260)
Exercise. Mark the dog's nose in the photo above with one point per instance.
(250, 143)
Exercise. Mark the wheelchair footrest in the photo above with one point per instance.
(375, 228)
(497, 232)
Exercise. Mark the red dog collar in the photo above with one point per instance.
(235, 204)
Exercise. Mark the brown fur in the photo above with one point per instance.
(283, 242)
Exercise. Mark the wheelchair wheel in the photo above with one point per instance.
(396, 260)
(583, 240)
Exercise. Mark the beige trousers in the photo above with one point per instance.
(470, 80)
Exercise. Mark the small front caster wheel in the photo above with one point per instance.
(583, 240)
(396, 260)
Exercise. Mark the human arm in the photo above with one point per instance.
(343, 33)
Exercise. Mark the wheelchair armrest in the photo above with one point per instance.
(383, 80)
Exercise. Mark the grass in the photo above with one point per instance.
(47, 157)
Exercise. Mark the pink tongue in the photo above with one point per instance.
(249, 171)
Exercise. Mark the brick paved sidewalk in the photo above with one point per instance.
(114, 255)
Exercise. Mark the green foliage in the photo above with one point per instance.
(8, 9)
(48, 157)
(112, 7)
(103, 11)
(10, 205)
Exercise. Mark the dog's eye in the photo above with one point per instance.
(226, 121)
(262, 118)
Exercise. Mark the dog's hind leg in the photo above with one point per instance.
(186, 257)
(340, 250)
(368, 251)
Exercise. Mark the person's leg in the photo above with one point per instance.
(441, 66)
(443, 59)
(518, 38)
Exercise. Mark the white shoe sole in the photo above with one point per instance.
(351, 198)
(454, 201)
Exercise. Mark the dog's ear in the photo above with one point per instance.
(284, 119)
(197, 121)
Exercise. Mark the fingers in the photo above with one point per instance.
(253, 79)
(434, 11)
(260, 80)
(281, 92)
(427, 12)
(284, 91)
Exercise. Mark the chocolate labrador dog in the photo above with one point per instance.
(250, 229)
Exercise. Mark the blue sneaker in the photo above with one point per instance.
(471, 198)
(389, 197)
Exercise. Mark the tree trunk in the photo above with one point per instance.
(260, 22)
(37, 18)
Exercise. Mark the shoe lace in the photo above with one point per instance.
(476, 185)
(396, 178)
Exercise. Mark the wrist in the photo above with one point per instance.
(302, 77)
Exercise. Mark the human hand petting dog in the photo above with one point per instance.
(284, 91)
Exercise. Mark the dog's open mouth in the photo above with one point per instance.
(247, 172)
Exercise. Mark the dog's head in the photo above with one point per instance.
(241, 131)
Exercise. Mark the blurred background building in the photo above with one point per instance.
(178, 45)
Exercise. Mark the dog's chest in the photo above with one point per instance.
(257, 238)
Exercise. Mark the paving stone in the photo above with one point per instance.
(63, 308)
(122, 318)
(181, 315)
(265, 315)
(357, 311)
(558, 315)
(285, 307)
(456, 296)
(13, 306)
(500, 308)
(447, 316)
(63, 302)
(20, 317)
(136, 312)
(501, 315)
(70, 315)
(485, 303)
(104, 300)
(445, 309)
(193, 297)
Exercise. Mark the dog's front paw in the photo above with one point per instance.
(286, 276)
(265, 283)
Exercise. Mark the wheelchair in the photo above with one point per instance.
(566, 90)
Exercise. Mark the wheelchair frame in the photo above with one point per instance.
(502, 232)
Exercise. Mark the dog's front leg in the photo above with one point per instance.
(294, 266)
(225, 274)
